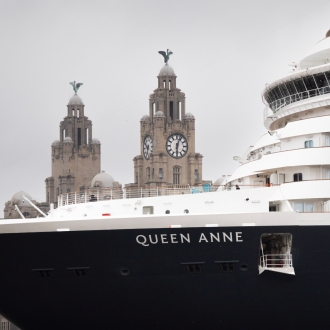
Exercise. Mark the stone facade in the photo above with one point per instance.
(76, 157)
(28, 211)
(7, 325)
(170, 132)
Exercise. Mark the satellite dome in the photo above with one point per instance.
(56, 143)
(102, 180)
(18, 199)
(75, 100)
(145, 118)
(95, 141)
(159, 114)
(189, 115)
(67, 140)
(166, 70)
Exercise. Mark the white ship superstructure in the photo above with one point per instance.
(295, 152)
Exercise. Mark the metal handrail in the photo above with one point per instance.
(276, 260)
(104, 194)
(282, 102)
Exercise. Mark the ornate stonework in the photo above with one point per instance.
(170, 133)
(76, 157)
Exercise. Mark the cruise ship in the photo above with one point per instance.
(251, 251)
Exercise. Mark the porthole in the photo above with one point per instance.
(167, 212)
(124, 272)
(186, 211)
(244, 267)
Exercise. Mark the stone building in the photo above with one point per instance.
(7, 325)
(167, 139)
(28, 211)
(76, 156)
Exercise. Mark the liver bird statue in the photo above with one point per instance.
(166, 55)
(75, 86)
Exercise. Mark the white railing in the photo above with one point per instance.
(276, 260)
(280, 103)
(103, 194)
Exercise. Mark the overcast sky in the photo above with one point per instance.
(224, 54)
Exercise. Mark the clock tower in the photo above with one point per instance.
(167, 138)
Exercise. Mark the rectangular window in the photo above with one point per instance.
(79, 271)
(148, 210)
(299, 207)
(309, 144)
(43, 273)
(176, 175)
(179, 113)
(160, 174)
(193, 267)
(308, 207)
(227, 266)
(299, 84)
(196, 175)
(79, 137)
(171, 109)
(297, 177)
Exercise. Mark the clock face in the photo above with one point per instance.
(177, 145)
(148, 147)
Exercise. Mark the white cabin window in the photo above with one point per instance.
(299, 207)
(309, 144)
(308, 207)
(304, 207)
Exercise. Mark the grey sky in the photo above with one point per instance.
(224, 53)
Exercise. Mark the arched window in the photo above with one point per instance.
(176, 174)
(148, 173)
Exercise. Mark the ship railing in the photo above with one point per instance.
(286, 100)
(104, 194)
(276, 260)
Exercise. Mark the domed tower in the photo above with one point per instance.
(167, 138)
(76, 156)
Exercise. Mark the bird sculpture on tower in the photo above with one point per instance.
(165, 55)
(75, 86)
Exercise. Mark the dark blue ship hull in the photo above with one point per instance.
(107, 280)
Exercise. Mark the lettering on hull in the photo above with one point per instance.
(224, 237)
